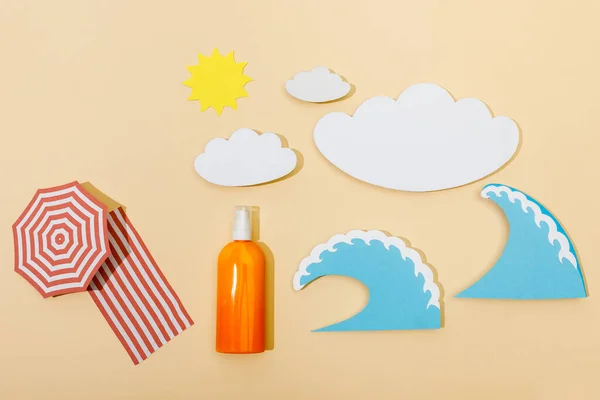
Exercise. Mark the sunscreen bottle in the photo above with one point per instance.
(241, 291)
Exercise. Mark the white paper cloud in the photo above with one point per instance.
(247, 158)
(317, 86)
(423, 141)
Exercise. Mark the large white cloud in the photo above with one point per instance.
(247, 158)
(423, 141)
(317, 86)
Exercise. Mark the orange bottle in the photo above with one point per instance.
(241, 291)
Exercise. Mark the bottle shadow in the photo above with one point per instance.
(269, 281)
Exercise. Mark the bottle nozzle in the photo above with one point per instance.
(242, 225)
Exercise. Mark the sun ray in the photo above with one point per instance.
(219, 109)
(217, 81)
(231, 103)
(240, 66)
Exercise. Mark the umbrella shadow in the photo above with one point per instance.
(117, 255)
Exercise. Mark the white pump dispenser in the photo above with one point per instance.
(242, 225)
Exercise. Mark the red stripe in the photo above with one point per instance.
(30, 231)
(125, 276)
(129, 311)
(143, 272)
(95, 296)
(155, 266)
(43, 255)
(30, 251)
(35, 253)
(133, 309)
(128, 277)
(152, 267)
(51, 293)
(28, 237)
(37, 194)
(112, 305)
(79, 238)
(50, 246)
(133, 268)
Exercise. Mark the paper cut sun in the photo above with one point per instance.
(217, 81)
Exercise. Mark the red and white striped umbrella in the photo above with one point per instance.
(61, 240)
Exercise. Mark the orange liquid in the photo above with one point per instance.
(241, 298)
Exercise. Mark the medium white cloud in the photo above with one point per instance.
(423, 141)
(245, 159)
(317, 86)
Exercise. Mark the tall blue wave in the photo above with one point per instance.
(539, 260)
(402, 290)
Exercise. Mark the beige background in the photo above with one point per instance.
(92, 91)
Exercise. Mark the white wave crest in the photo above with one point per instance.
(367, 237)
(553, 234)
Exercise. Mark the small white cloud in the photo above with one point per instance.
(245, 159)
(423, 141)
(317, 86)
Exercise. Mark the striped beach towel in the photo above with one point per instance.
(133, 295)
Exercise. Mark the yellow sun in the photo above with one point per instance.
(217, 81)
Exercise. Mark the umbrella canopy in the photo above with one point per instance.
(61, 239)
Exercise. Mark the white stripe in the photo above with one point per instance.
(72, 238)
(101, 253)
(101, 216)
(98, 260)
(74, 232)
(22, 259)
(85, 263)
(25, 243)
(40, 198)
(68, 239)
(36, 244)
(135, 259)
(130, 307)
(139, 284)
(153, 268)
(119, 271)
(116, 303)
(53, 240)
(52, 289)
(96, 292)
(84, 211)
